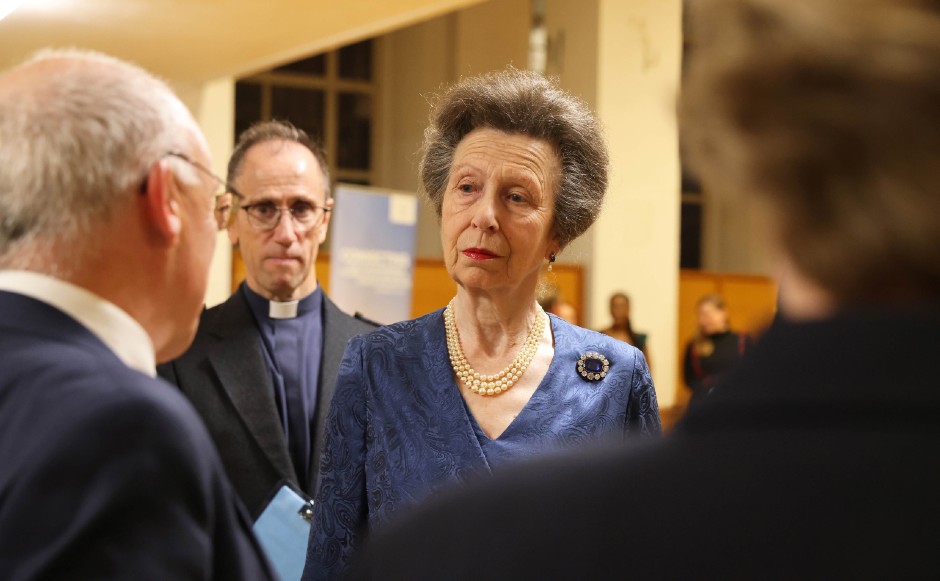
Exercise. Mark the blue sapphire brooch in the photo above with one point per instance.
(593, 366)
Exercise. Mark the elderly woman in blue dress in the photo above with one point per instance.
(516, 169)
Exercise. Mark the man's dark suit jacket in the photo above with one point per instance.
(225, 376)
(105, 473)
(819, 458)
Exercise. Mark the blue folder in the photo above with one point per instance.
(283, 529)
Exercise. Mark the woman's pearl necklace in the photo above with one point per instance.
(502, 381)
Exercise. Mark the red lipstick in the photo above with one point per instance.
(479, 254)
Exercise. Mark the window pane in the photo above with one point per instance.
(247, 106)
(302, 107)
(355, 61)
(355, 131)
(690, 247)
(315, 65)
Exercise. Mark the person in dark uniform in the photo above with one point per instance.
(714, 351)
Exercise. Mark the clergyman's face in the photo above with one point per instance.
(280, 263)
(712, 319)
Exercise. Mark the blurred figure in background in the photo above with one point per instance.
(817, 457)
(565, 310)
(621, 328)
(714, 351)
(552, 301)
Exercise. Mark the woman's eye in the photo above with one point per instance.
(466, 188)
(516, 198)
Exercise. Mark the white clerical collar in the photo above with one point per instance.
(116, 329)
(287, 310)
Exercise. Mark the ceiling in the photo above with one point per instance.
(199, 40)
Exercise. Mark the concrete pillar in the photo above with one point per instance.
(624, 58)
(636, 241)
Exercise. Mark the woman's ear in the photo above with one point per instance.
(161, 204)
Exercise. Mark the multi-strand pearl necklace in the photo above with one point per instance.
(502, 381)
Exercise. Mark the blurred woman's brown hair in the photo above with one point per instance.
(788, 119)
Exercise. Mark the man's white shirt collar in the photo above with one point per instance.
(283, 310)
(116, 329)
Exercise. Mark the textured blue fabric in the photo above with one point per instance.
(399, 430)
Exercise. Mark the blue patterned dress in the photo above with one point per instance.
(399, 429)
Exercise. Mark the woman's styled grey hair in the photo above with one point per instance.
(525, 103)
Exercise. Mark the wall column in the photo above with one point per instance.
(636, 241)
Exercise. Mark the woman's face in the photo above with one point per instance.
(620, 309)
(712, 319)
(497, 212)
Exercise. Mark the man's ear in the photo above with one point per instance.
(161, 205)
(232, 233)
(325, 226)
(227, 213)
(231, 230)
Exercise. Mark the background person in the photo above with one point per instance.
(106, 234)
(817, 457)
(564, 310)
(262, 368)
(516, 169)
(621, 328)
(551, 301)
(714, 351)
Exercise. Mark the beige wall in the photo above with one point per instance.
(492, 35)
